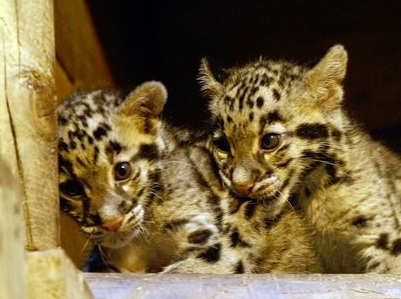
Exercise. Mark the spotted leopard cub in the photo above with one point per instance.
(133, 192)
(280, 136)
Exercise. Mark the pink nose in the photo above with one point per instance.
(113, 224)
(243, 189)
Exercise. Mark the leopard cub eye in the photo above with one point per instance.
(270, 141)
(222, 144)
(122, 171)
(72, 188)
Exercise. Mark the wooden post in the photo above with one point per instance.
(29, 103)
(12, 259)
(28, 162)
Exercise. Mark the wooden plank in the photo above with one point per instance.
(12, 258)
(264, 286)
(78, 48)
(29, 95)
(53, 276)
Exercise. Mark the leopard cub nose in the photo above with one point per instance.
(113, 224)
(243, 189)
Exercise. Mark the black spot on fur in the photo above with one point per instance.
(95, 154)
(274, 116)
(200, 236)
(250, 116)
(62, 120)
(254, 89)
(62, 146)
(212, 254)
(276, 95)
(234, 236)
(100, 132)
(241, 101)
(250, 103)
(259, 102)
(115, 146)
(90, 139)
(382, 242)
(237, 240)
(336, 134)
(396, 247)
(148, 151)
(73, 144)
(239, 268)
(312, 131)
(250, 209)
(359, 222)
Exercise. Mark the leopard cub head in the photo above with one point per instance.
(108, 145)
(272, 121)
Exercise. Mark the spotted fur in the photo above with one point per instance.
(152, 205)
(280, 136)
(131, 190)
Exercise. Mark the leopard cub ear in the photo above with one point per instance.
(212, 77)
(325, 79)
(148, 99)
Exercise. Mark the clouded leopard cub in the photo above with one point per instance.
(152, 205)
(280, 135)
(131, 190)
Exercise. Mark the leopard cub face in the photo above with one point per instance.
(108, 146)
(272, 122)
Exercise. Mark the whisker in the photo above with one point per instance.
(85, 246)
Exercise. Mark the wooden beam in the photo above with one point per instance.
(12, 257)
(28, 92)
(53, 276)
(263, 286)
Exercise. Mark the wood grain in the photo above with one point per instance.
(154, 286)
(53, 276)
(28, 92)
(12, 257)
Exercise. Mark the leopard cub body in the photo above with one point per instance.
(131, 190)
(152, 205)
(279, 136)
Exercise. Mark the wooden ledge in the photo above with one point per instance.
(192, 286)
(52, 275)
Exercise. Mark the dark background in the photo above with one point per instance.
(165, 40)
